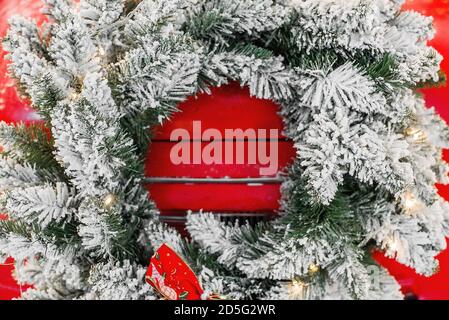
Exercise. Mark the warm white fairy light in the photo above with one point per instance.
(410, 202)
(73, 95)
(313, 269)
(101, 51)
(416, 134)
(394, 244)
(297, 288)
(110, 200)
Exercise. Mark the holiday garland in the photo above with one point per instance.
(101, 73)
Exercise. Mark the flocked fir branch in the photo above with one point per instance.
(101, 73)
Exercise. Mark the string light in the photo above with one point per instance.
(394, 244)
(313, 269)
(73, 95)
(416, 134)
(297, 288)
(101, 51)
(410, 202)
(110, 200)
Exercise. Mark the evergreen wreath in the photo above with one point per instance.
(102, 72)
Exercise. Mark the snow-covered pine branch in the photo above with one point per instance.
(41, 204)
(344, 87)
(58, 10)
(118, 281)
(157, 75)
(103, 231)
(207, 230)
(228, 19)
(94, 150)
(159, 233)
(267, 78)
(14, 175)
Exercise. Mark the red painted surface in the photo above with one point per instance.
(216, 197)
(12, 108)
(228, 107)
(9, 289)
(8, 286)
(161, 166)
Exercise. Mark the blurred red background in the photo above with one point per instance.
(12, 109)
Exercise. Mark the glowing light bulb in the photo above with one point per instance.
(313, 269)
(110, 200)
(393, 244)
(416, 134)
(73, 95)
(410, 202)
(101, 51)
(297, 288)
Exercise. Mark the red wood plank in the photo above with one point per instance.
(228, 107)
(160, 165)
(216, 197)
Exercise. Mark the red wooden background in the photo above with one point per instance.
(228, 107)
